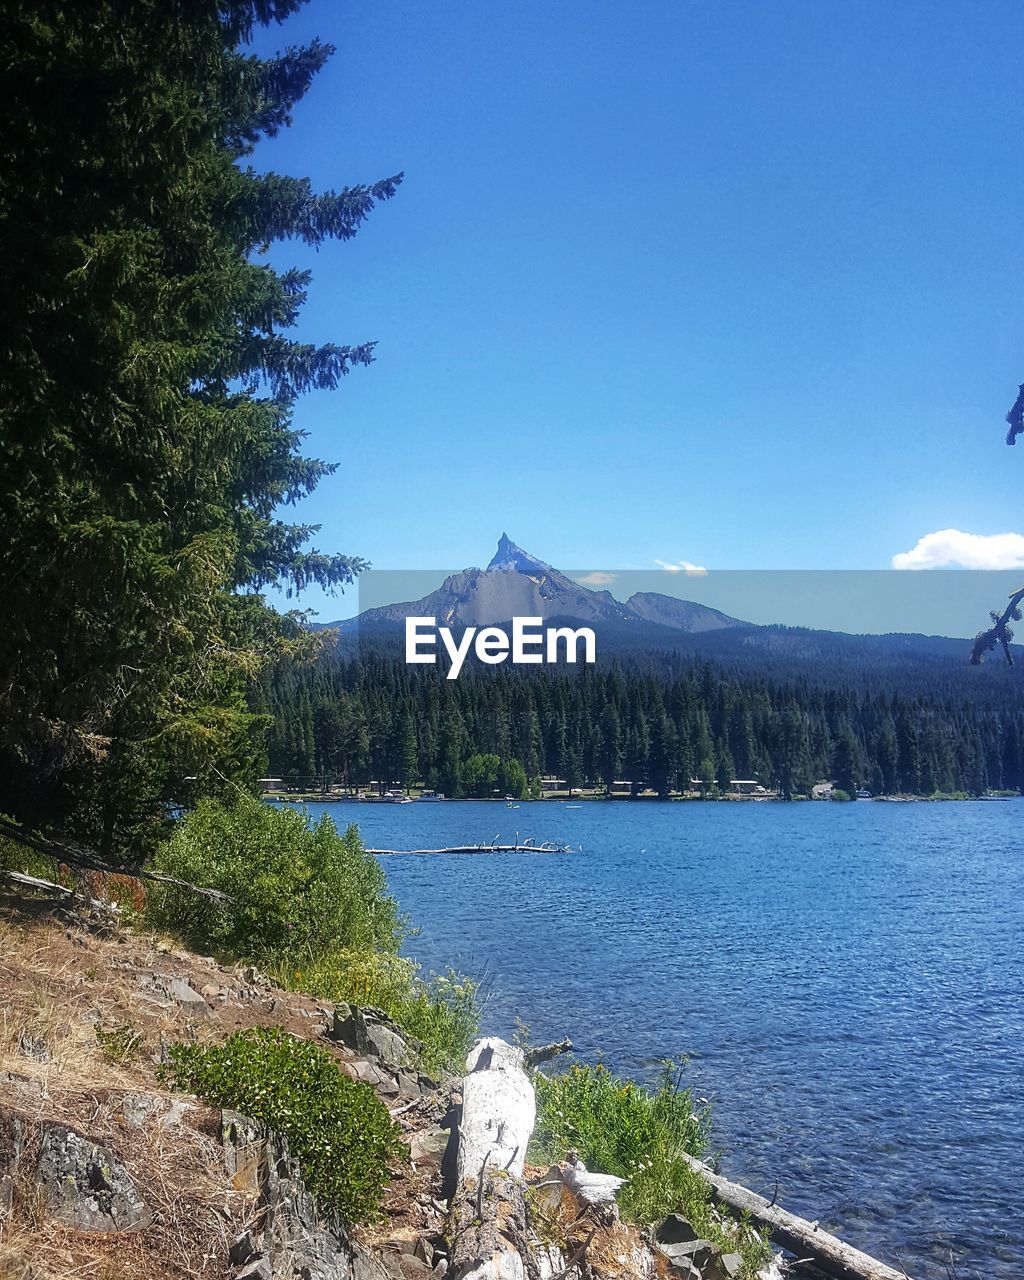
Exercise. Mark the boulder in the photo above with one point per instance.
(184, 994)
(428, 1147)
(294, 1238)
(675, 1230)
(86, 1187)
(372, 1033)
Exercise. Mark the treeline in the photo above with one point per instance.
(655, 724)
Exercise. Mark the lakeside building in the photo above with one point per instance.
(747, 787)
(549, 784)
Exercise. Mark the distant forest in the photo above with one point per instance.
(656, 720)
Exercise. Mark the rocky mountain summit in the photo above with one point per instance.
(518, 584)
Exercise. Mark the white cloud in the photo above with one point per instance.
(597, 579)
(953, 549)
(682, 566)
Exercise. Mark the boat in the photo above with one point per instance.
(394, 796)
(431, 796)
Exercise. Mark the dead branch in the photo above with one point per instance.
(74, 855)
(577, 1257)
(545, 1052)
(999, 633)
(1016, 417)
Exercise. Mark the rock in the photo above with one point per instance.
(189, 998)
(730, 1264)
(242, 1249)
(258, 1269)
(406, 1266)
(675, 1230)
(84, 1186)
(294, 1239)
(244, 1144)
(408, 1086)
(372, 1033)
(34, 1047)
(428, 1147)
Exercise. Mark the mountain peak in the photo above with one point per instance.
(509, 556)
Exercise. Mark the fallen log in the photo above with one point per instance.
(49, 886)
(805, 1239)
(490, 1237)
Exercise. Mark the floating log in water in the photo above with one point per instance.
(526, 847)
(806, 1239)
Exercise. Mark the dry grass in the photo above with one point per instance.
(61, 980)
(61, 983)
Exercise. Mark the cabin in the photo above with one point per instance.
(747, 787)
(621, 787)
(549, 784)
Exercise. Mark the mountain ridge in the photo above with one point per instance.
(519, 584)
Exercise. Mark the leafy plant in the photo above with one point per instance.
(297, 893)
(337, 1129)
(442, 1012)
(121, 1043)
(616, 1126)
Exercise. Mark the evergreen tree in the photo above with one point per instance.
(146, 402)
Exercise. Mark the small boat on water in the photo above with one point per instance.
(431, 796)
(394, 796)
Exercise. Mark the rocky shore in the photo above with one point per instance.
(104, 1172)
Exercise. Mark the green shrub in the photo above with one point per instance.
(441, 1012)
(298, 892)
(616, 1126)
(336, 1128)
(121, 1043)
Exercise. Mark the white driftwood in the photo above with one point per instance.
(492, 1238)
(498, 1110)
(595, 1189)
(805, 1239)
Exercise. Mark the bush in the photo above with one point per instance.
(442, 1012)
(310, 907)
(298, 892)
(336, 1128)
(616, 1126)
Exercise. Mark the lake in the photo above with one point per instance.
(846, 981)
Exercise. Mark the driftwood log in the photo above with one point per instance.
(802, 1238)
(491, 1238)
(526, 847)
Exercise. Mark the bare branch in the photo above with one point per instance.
(999, 633)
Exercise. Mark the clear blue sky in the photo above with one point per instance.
(730, 283)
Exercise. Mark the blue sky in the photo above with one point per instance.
(732, 284)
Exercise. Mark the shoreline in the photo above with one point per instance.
(565, 798)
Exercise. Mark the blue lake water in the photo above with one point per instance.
(847, 980)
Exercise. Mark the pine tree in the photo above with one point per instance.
(146, 400)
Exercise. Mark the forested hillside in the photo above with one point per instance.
(656, 720)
